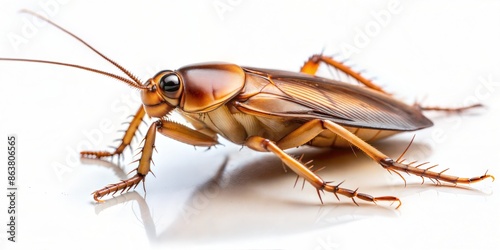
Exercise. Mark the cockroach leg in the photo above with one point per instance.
(142, 170)
(114, 188)
(264, 145)
(168, 128)
(447, 109)
(186, 135)
(125, 141)
(393, 165)
(312, 64)
(311, 129)
(436, 177)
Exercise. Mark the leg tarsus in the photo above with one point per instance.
(389, 198)
(336, 190)
(446, 109)
(124, 185)
(96, 154)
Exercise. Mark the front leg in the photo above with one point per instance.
(142, 170)
(126, 140)
(171, 129)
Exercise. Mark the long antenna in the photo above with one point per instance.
(133, 81)
(120, 78)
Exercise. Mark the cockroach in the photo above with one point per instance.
(268, 110)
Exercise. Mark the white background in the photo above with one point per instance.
(444, 53)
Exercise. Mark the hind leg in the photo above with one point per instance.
(312, 64)
(311, 129)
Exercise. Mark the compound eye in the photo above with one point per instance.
(170, 83)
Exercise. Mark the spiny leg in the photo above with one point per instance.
(265, 145)
(168, 128)
(125, 141)
(447, 109)
(312, 128)
(312, 65)
(142, 170)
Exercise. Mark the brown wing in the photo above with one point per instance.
(289, 94)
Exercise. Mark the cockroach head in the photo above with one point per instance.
(163, 93)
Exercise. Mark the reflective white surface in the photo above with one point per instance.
(442, 53)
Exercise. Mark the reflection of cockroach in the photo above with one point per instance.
(269, 111)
